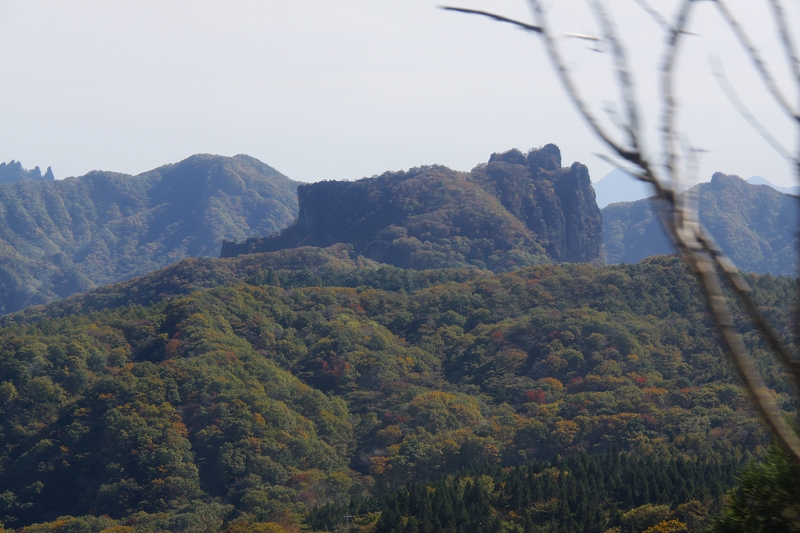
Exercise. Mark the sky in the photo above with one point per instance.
(323, 89)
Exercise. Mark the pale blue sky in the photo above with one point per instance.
(337, 90)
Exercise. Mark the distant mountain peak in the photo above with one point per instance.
(758, 180)
(619, 186)
(13, 172)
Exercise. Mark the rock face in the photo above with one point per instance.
(67, 236)
(516, 210)
(755, 225)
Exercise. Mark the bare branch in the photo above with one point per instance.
(500, 18)
(668, 97)
(658, 17)
(631, 155)
(788, 45)
(614, 117)
(623, 72)
(733, 344)
(733, 98)
(755, 58)
(680, 216)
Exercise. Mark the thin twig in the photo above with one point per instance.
(658, 17)
(788, 44)
(494, 16)
(571, 88)
(741, 108)
(667, 78)
(755, 57)
(623, 72)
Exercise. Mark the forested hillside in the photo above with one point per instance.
(242, 394)
(755, 225)
(518, 210)
(62, 237)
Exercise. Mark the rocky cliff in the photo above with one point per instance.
(516, 210)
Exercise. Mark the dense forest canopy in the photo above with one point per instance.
(261, 390)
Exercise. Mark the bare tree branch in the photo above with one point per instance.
(623, 72)
(658, 17)
(680, 216)
(788, 44)
(667, 78)
(571, 88)
(733, 345)
(755, 58)
(733, 98)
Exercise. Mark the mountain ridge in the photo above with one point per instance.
(753, 224)
(516, 210)
(66, 236)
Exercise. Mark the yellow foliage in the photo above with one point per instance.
(565, 432)
(666, 526)
(379, 464)
(552, 384)
(260, 527)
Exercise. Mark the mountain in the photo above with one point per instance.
(516, 210)
(754, 225)
(619, 186)
(758, 180)
(265, 392)
(62, 237)
(12, 172)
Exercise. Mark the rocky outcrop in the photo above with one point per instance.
(13, 172)
(557, 204)
(516, 210)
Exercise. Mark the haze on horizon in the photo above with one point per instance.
(346, 89)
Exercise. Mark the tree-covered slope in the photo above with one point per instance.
(273, 390)
(517, 210)
(62, 237)
(610, 492)
(754, 225)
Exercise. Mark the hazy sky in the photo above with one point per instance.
(324, 89)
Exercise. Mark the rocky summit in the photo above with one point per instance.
(516, 210)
